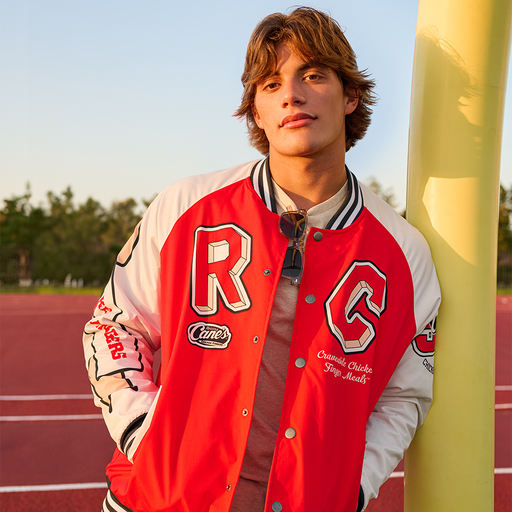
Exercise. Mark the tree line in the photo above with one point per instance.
(505, 238)
(49, 244)
(60, 241)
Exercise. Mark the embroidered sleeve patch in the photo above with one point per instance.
(424, 343)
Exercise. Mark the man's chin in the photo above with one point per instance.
(297, 150)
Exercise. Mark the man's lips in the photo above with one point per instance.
(297, 120)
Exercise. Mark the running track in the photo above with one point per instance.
(53, 443)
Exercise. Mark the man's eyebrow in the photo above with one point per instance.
(312, 64)
(307, 65)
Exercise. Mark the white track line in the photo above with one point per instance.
(497, 471)
(57, 487)
(103, 485)
(503, 406)
(55, 417)
(27, 398)
(23, 398)
(503, 471)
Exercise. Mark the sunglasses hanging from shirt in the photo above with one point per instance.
(293, 225)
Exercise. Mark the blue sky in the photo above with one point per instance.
(120, 98)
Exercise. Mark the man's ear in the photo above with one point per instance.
(351, 101)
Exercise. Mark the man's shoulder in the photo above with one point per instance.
(178, 197)
(380, 209)
(197, 186)
(406, 235)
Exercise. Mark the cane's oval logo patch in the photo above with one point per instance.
(208, 335)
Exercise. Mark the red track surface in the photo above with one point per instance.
(41, 354)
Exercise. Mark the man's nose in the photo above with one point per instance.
(293, 93)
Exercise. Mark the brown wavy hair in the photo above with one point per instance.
(316, 37)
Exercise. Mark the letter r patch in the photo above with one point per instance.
(221, 254)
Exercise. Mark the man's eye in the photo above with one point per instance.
(271, 86)
(312, 78)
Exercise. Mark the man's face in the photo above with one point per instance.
(302, 107)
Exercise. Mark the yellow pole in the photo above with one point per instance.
(458, 93)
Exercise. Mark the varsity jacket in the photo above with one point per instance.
(197, 281)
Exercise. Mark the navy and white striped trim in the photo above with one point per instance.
(261, 180)
(112, 504)
(262, 183)
(130, 434)
(130, 438)
(352, 208)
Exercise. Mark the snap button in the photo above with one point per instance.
(290, 433)
(266, 272)
(277, 507)
(300, 362)
(256, 339)
(318, 236)
(228, 487)
(245, 412)
(310, 299)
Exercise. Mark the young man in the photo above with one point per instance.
(294, 310)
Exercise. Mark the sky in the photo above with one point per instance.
(118, 99)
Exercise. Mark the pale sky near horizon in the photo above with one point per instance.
(120, 98)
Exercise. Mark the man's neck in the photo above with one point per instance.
(308, 181)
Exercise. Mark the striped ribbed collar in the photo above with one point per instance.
(348, 212)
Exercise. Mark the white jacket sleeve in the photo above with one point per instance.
(124, 333)
(400, 411)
